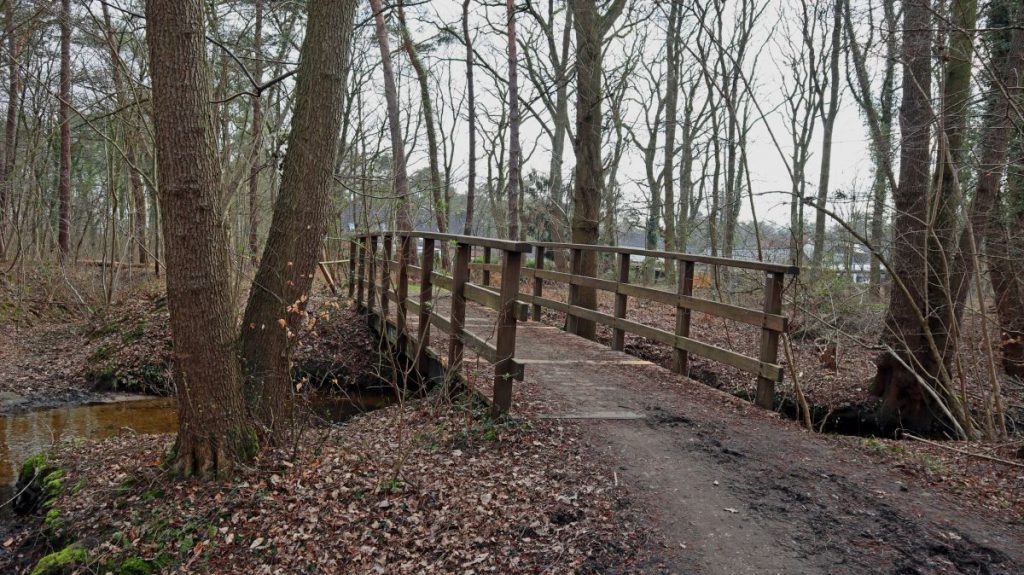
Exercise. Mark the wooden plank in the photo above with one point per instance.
(538, 282)
(351, 268)
(576, 267)
(680, 356)
(426, 302)
(486, 267)
(506, 331)
(506, 245)
(404, 253)
(773, 286)
(361, 273)
(618, 342)
(327, 277)
(385, 277)
(458, 307)
(372, 276)
(679, 256)
(728, 311)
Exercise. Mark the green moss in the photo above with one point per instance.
(34, 466)
(61, 561)
(134, 566)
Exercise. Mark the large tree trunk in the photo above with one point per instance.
(277, 302)
(64, 112)
(256, 159)
(590, 28)
(11, 125)
(401, 178)
(214, 431)
(1005, 87)
(514, 152)
(916, 322)
(471, 118)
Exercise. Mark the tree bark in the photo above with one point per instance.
(514, 151)
(214, 432)
(64, 112)
(590, 28)
(401, 178)
(471, 113)
(671, 122)
(11, 126)
(436, 188)
(277, 302)
(828, 122)
(256, 159)
(915, 321)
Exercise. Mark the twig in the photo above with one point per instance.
(965, 452)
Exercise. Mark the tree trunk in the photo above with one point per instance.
(590, 28)
(1008, 63)
(828, 126)
(256, 159)
(514, 152)
(11, 125)
(915, 321)
(277, 302)
(64, 185)
(471, 182)
(671, 121)
(436, 188)
(214, 431)
(401, 179)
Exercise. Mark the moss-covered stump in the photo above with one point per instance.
(39, 481)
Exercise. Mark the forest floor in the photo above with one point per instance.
(699, 482)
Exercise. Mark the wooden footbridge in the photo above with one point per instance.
(501, 323)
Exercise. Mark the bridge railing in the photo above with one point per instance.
(769, 318)
(393, 257)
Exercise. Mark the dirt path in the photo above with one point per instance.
(732, 489)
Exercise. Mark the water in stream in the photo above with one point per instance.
(23, 434)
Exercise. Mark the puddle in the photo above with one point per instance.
(23, 434)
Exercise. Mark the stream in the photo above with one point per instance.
(25, 433)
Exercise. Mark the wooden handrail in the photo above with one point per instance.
(503, 245)
(678, 256)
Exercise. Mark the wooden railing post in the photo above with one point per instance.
(385, 278)
(680, 357)
(403, 284)
(618, 334)
(538, 282)
(352, 267)
(511, 268)
(575, 268)
(487, 262)
(371, 277)
(460, 274)
(426, 303)
(361, 277)
(770, 339)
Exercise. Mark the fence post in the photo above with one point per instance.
(385, 278)
(538, 282)
(401, 312)
(770, 339)
(575, 268)
(460, 274)
(487, 262)
(351, 268)
(426, 303)
(361, 277)
(511, 268)
(618, 334)
(680, 357)
(372, 275)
